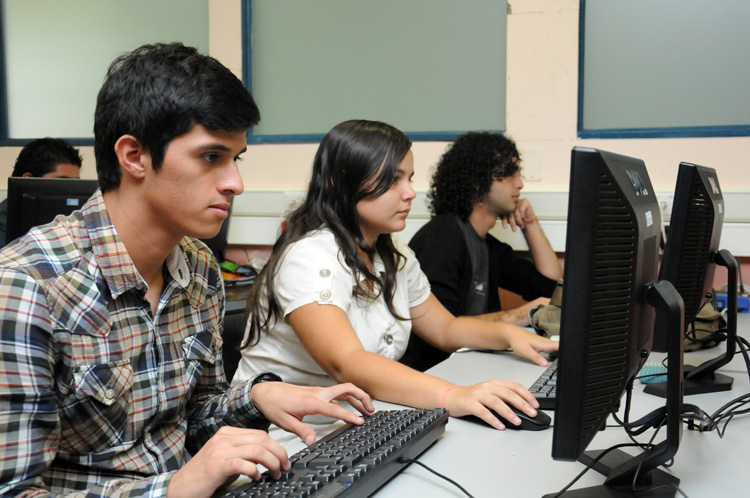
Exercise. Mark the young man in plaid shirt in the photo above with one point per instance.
(110, 332)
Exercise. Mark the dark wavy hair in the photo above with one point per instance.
(356, 160)
(43, 155)
(158, 92)
(464, 174)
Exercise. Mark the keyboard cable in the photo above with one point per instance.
(429, 469)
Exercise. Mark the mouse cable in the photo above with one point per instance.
(652, 420)
(601, 455)
(691, 332)
(625, 423)
(647, 447)
(628, 400)
(720, 419)
(412, 460)
(655, 419)
(712, 336)
(725, 415)
(591, 464)
(744, 346)
(642, 446)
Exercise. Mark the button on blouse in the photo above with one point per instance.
(312, 270)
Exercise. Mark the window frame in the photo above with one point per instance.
(645, 132)
(316, 137)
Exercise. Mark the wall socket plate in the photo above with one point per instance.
(532, 165)
(665, 204)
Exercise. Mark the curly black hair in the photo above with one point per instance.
(464, 174)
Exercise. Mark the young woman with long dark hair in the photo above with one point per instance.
(341, 293)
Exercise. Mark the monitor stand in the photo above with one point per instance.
(704, 378)
(638, 476)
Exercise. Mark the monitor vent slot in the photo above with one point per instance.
(695, 252)
(612, 293)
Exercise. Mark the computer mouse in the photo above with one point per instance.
(528, 423)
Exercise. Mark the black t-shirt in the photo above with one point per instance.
(443, 254)
(478, 288)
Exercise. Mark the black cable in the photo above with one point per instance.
(411, 460)
(647, 447)
(591, 464)
(728, 411)
(719, 420)
(664, 362)
(744, 345)
(718, 336)
(627, 425)
(628, 397)
(656, 421)
(742, 286)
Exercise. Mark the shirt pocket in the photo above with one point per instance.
(201, 350)
(95, 416)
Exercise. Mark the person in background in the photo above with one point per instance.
(111, 371)
(43, 158)
(477, 182)
(341, 294)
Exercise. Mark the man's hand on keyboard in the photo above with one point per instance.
(286, 404)
(231, 452)
(517, 316)
(528, 345)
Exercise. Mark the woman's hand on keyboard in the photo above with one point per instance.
(286, 404)
(495, 395)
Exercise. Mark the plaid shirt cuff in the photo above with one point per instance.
(244, 409)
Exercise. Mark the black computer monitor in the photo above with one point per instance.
(36, 201)
(606, 331)
(690, 257)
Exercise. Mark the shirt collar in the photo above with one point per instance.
(177, 267)
(191, 268)
(111, 255)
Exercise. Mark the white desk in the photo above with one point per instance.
(510, 463)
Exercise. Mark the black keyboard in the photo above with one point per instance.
(545, 387)
(354, 460)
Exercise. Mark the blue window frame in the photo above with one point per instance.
(673, 68)
(433, 68)
(54, 54)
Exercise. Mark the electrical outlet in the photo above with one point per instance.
(665, 205)
(532, 165)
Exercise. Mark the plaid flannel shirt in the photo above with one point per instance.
(98, 396)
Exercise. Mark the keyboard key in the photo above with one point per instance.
(337, 463)
(545, 387)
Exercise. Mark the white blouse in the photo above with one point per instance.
(312, 271)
